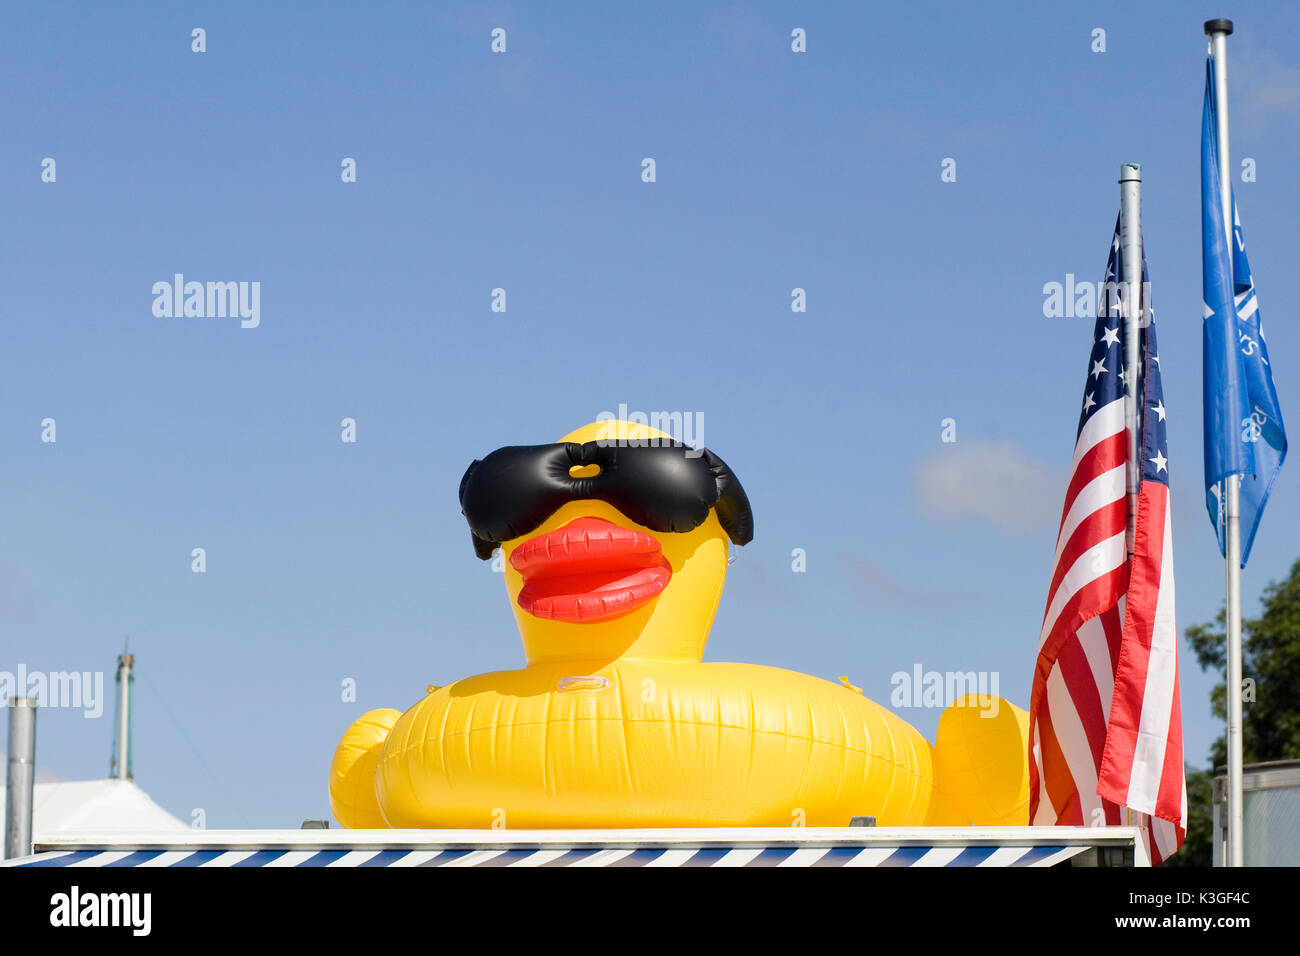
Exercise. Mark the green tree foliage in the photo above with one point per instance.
(1270, 714)
(1270, 668)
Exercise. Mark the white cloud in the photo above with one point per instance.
(994, 480)
(875, 582)
(1263, 81)
(1269, 90)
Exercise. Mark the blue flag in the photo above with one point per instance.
(1243, 424)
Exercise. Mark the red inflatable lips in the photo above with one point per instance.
(589, 570)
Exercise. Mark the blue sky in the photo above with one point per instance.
(522, 171)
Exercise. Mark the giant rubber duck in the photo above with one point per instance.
(615, 543)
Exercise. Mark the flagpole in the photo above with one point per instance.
(1130, 237)
(1217, 31)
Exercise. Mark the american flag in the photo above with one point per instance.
(1105, 725)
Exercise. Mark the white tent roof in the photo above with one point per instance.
(71, 806)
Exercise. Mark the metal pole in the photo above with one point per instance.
(1217, 31)
(125, 663)
(1130, 237)
(20, 777)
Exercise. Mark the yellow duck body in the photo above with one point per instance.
(656, 743)
(618, 723)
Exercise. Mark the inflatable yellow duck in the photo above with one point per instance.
(615, 544)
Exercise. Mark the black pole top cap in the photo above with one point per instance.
(1218, 26)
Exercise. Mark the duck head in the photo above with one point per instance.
(615, 541)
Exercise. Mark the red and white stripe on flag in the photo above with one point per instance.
(1105, 723)
(1142, 765)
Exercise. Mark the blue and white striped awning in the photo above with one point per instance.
(621, 856)
(830, 846)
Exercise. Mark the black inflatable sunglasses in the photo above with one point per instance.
(664, 487)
